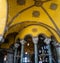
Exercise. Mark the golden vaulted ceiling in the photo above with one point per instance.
(32, 17)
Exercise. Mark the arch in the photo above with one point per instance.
(9, 40)
(23, 25)
(34, 31)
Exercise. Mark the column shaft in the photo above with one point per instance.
(58, 53)
(57, 46)
(9, 58)
(15, 55)
(22, 50)
(22, 53)
(35, 41)
(36, 53)
(50, 54)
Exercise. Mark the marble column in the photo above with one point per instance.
(35, 41)
(9, 58)
(22, 50)
(15, 52)
(47, 41)
(57, 46)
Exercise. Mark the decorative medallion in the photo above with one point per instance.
(53, 6)
(36, 13)
(40, 2)
(21, 2)
(34, 30)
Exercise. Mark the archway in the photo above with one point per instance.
(46, 43)
(34, 30)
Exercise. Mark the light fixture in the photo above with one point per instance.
(26, 52)
(28, 44)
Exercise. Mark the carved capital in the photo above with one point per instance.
(47, 41)
(22, 42)
(16, 45)
(35, 40)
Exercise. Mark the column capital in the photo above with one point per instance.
(35, 40)
(16, 45)
(22, 42)
(47, 41)
(56, 44)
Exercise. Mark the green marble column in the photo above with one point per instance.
(35, 41)
(15, 52)
(57, 46)
(22, 50)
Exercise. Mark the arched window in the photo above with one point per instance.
(28, 50)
